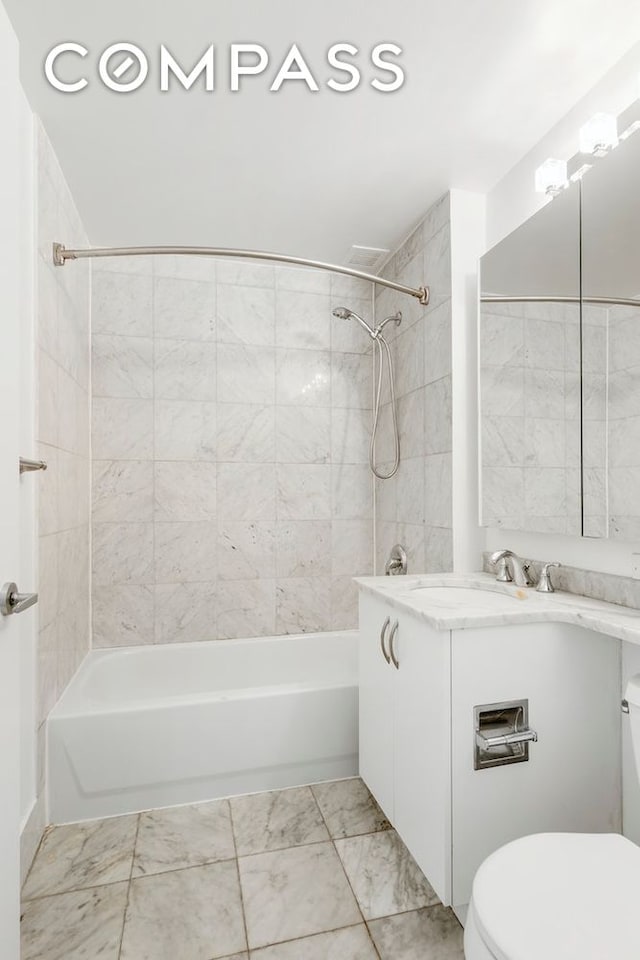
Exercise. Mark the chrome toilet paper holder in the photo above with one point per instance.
(501, 734)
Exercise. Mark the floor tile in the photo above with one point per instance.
(193, 914)
(82, 855)
(183, 837)
(294, 893)
(81, 925)
(384, 876)
(434, 933)
(351, 943)
(273, 821)
(348, 808)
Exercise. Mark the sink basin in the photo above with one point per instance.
(454, 596)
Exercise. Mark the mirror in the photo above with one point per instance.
(530, 424)
(611, 344)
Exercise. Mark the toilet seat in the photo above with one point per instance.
(557, 896)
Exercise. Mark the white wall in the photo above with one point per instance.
(467, 245)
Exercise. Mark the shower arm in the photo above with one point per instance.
(61, 254)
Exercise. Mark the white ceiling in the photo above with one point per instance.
(310, 174)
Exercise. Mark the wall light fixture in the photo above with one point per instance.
(599, 135)
(551, 177)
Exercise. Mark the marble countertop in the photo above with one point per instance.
(497, 604)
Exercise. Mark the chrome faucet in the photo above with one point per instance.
(396, 565)
(510, 568)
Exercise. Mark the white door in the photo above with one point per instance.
(422, 773)
(10, 268)
(376, 699)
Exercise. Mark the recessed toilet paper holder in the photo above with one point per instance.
(501, 734)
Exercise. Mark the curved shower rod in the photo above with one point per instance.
(609, 301)
(61, 254)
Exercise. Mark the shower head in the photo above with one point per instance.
(343, 313)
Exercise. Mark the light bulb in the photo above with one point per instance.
(599, 135)
(551, 177)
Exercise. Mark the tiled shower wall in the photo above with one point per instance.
(231, 416)
(414, 507)
(63, 432)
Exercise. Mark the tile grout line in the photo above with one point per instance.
(353, 893)
(47, 830)
(62, 893)
(307, 936)
(237, 863)
(126, 906)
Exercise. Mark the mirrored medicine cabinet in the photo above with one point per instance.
(560, 361)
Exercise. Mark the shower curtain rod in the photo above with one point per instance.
(61, 254)
(612, 301)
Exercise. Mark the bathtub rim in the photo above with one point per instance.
(66, 708)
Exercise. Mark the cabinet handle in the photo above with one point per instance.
(382, 633)
(392, 653)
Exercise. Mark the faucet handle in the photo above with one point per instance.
(502, 571)
(545, 585)
(499, 561)
(396, 565)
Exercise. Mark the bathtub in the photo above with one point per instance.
(144, 727)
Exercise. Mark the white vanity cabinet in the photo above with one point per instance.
(405, 731)
(417, 735)
(572, 780)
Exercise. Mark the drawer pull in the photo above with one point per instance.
(392, 652)
(385, 626)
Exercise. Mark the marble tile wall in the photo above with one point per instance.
(623, 426)
(63, 432)
(414, 507)
(231, 414)
(530, 429)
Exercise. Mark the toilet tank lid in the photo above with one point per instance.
(632, 694)
(560, 896)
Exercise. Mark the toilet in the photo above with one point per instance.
(560, 896)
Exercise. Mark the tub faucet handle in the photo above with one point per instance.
(545, 585)
(396, 565)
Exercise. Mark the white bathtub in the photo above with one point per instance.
(145, 727)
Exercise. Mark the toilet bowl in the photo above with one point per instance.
(560, 896)
(557, 896)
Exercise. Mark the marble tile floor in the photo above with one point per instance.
(308, 873)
